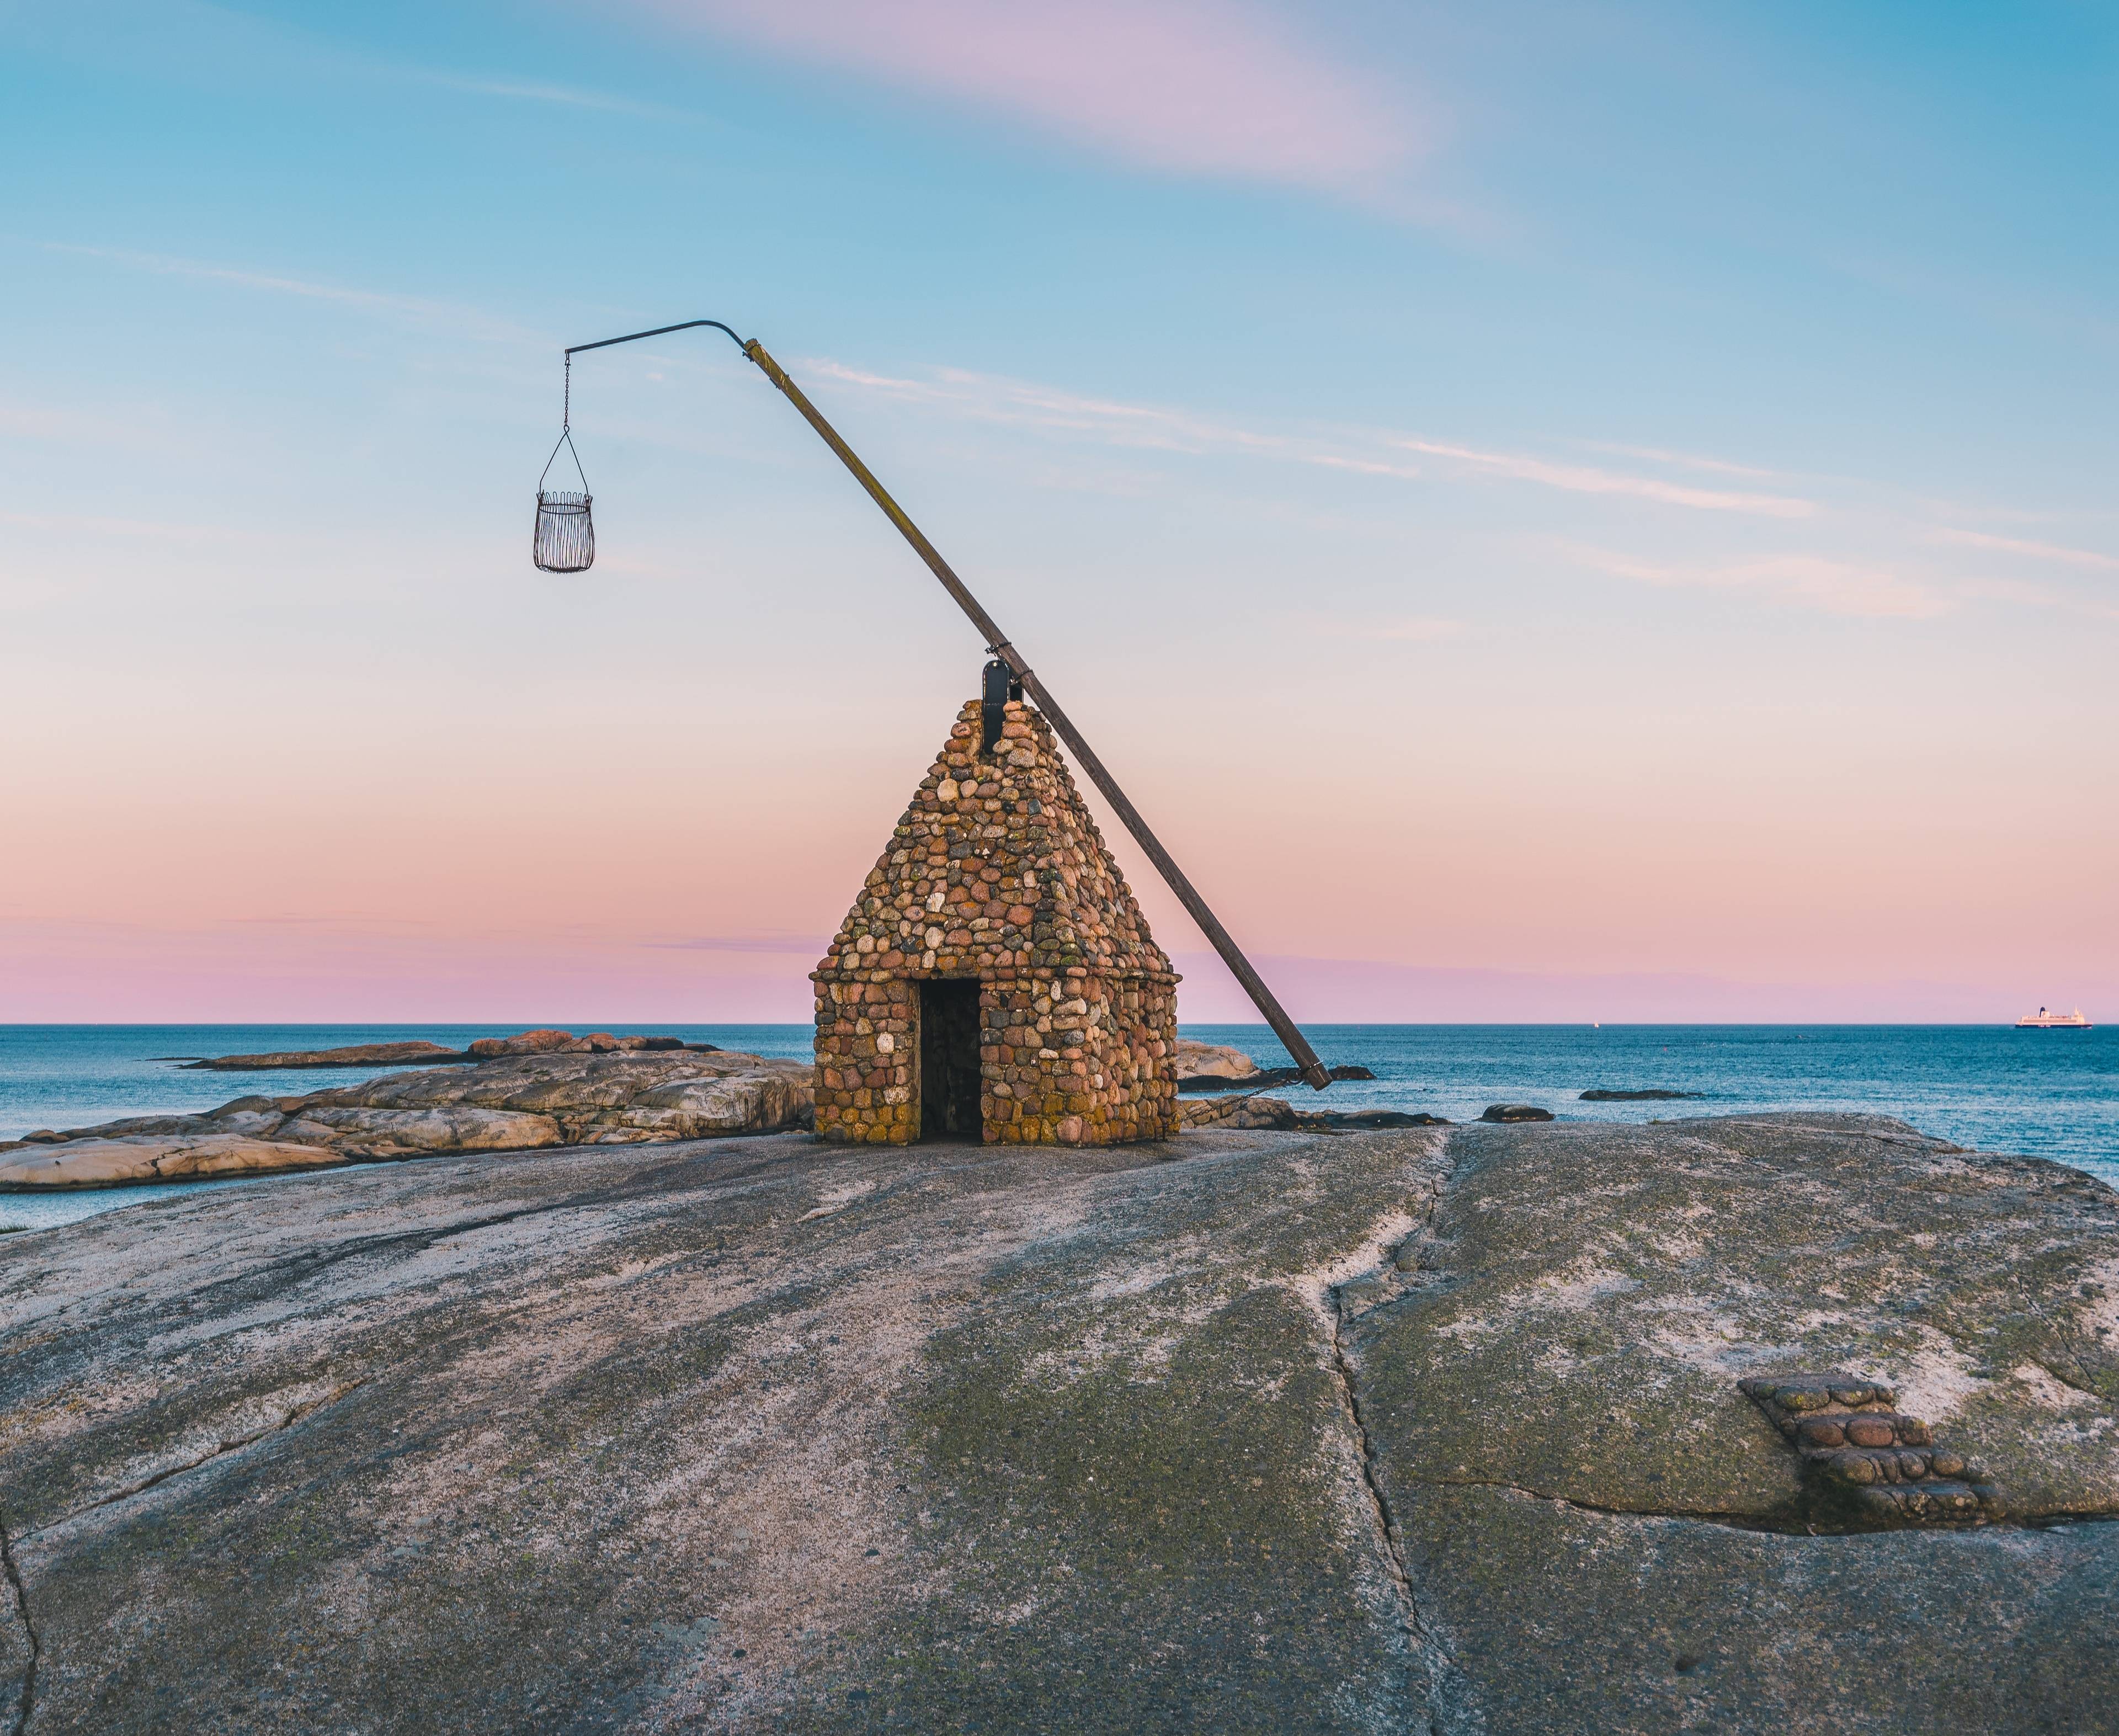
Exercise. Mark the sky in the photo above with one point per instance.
(1553, 512)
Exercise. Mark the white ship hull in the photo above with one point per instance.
(2042, 1020)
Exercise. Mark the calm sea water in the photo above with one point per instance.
(2047, 1094)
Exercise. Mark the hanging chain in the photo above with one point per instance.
(566, 433)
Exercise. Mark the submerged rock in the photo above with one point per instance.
(1514, 1112)
(1203, 1068)
(1255, 1112)
(1635, 1097)
(1265, 1079)
(1356, 1120)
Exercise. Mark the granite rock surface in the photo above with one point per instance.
(1424, 1430)
(130, 1159)
(1192, 1059)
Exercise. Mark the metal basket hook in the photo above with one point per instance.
(564, 539)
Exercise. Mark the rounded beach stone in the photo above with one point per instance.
(1818, 1431)
(1871, 1431)
(1855, 1467)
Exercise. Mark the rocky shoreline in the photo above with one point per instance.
(539, 1090)
(1472, 1429)
(531, 1092)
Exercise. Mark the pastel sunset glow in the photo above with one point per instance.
(1553, 515)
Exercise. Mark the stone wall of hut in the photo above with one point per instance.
(997, 872)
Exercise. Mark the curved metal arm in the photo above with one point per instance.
(605, 343)
(1262, 997)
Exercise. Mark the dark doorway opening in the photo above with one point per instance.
(950, 1059)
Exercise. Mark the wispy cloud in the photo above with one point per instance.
(1805, 581)
(1198, 86)
(469, 322)
(2036, 550)
(1364, 467)
(995, 398)
(1583, 479)
(989, 397)
(1861, 584)
(563, 96)
(1685, 460)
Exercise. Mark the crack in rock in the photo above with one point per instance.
(221, 1447)
(1763, 1523)
(644, 1184)
(2060, 1380)
(28, 1702)
(1390, 1237)
(1704, 1516)
(1389, 1533)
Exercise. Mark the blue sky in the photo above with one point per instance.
(1577, 491)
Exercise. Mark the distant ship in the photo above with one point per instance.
(2042, 1020)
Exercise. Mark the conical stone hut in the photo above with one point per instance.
(995, 980)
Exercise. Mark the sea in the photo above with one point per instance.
(2042, 1093)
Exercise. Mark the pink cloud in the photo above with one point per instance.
(1190, 85)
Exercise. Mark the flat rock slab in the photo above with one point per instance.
(1256, 1432)
(129, 1160)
